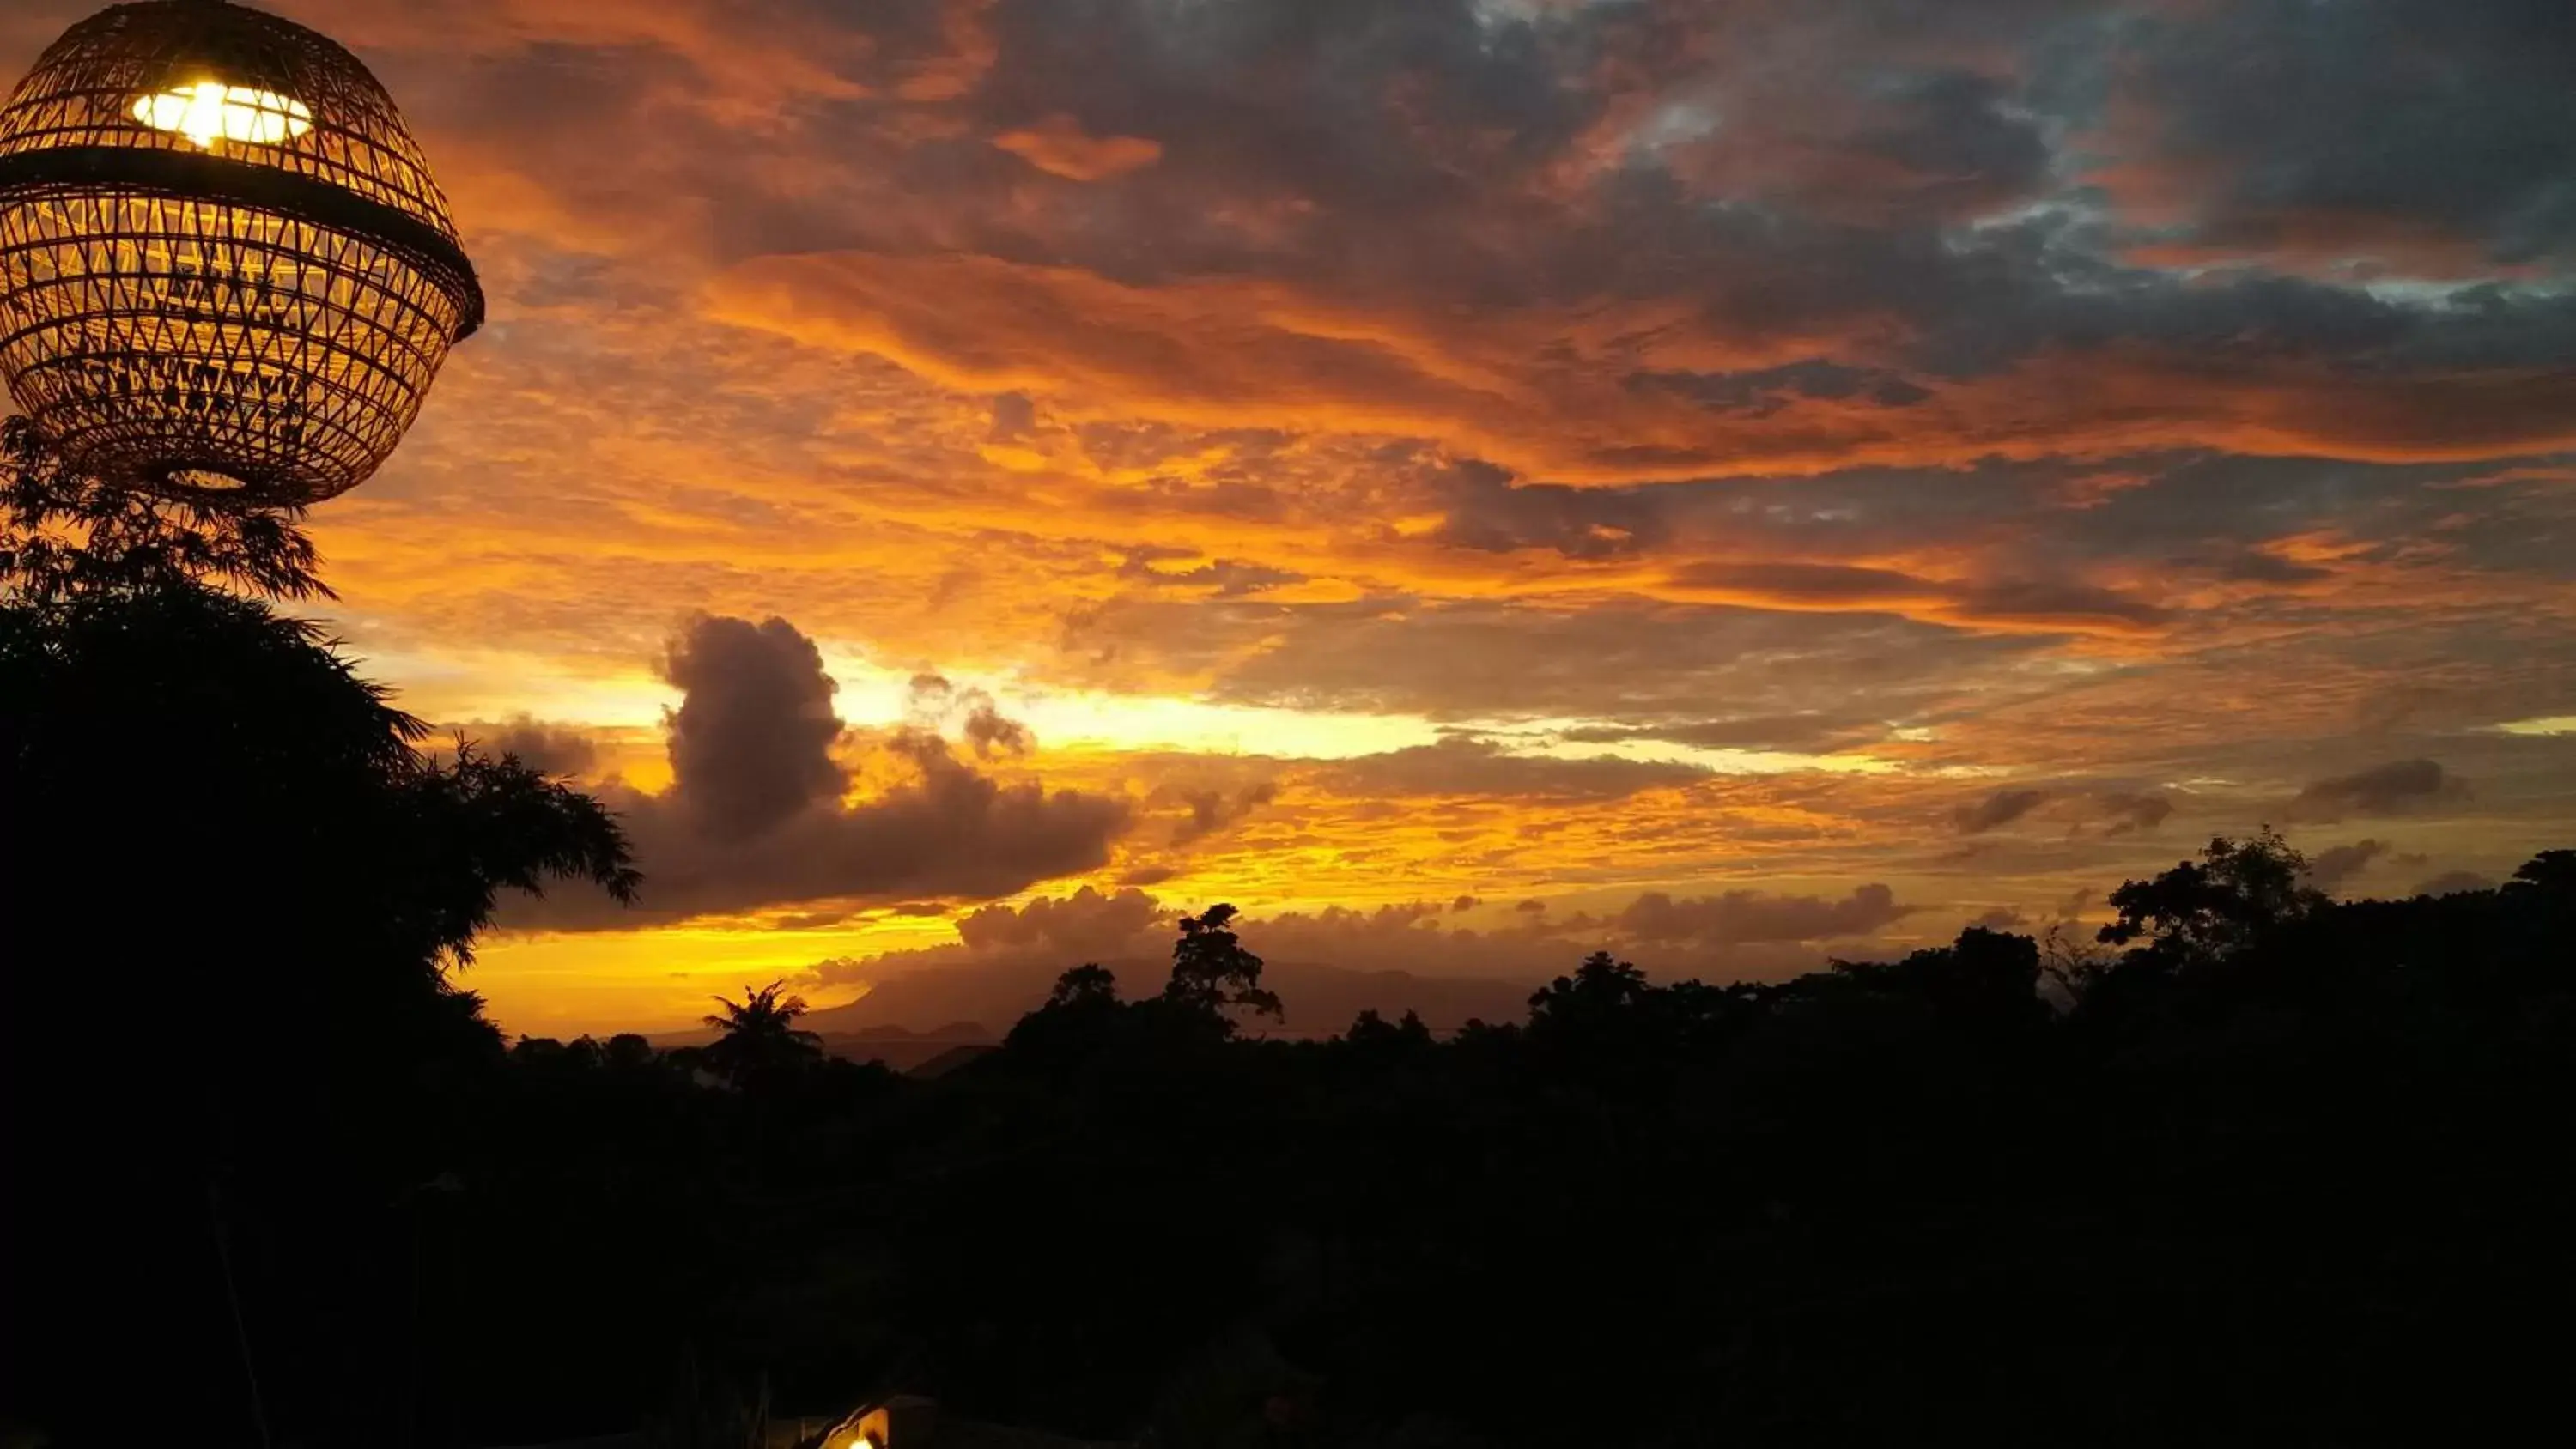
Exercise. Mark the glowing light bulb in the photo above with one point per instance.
(211, 111)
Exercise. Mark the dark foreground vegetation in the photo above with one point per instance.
(2262, 1168)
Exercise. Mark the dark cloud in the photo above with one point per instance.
(2052, 604)
(1085, 924)
(1228, 578)
(1213, 810)
(1488, 510)
(751, 743)
(2455, 882)
(1997, 810)
(1331, 963)
(2131, 813)
(553, 749)
(932, 702)
(1328, 965)
(991, 734)
(2001, 918)
(812, 920)
(1803, 184)
(1464, 904)
(1742, 917)
(2328, 869)
(2397, 788)
(733, 835)
(1760, 394)
(2376, 129)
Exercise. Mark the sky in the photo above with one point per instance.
(1472, 482)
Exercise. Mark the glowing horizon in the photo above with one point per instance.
(1755, 486)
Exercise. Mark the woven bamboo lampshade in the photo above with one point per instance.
(225, 272)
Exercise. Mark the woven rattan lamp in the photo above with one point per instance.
(225, 272)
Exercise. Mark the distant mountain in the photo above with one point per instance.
(900, 1048)
(980, 1001)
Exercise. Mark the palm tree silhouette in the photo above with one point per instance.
(759, 1034)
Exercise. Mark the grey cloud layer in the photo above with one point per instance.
(755, 816)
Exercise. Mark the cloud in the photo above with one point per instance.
(751, 741)
(2329, 869)
(1632, 658)
(1807, 733)
(755, 815)
(1085, 924)
(1328, 965)
(1332, 962)
(1997, 810)
(551, 749)
(1463, 765)
(2363, 166)
(2084, 393)
(2131, 813)
(1319, 999)
(2397, 788)
(1742, 917)
(2053, 605)
(991, 734)
(1059, 146)
(1213, 810)
(2001, 918)
(2455, 882)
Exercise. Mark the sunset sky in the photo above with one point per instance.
(1475, 481)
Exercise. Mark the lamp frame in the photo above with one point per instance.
(238, 322)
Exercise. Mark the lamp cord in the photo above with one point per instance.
(232, 1297)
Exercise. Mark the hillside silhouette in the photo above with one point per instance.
(1318, 999)
(2255, 1165)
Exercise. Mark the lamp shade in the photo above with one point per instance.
(225, 272)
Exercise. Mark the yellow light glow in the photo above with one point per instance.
(211, 111)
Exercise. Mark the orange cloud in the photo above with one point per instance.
(1491, 433)
(1229, 354)
(1058, 146)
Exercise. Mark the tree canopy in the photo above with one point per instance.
(225, 840)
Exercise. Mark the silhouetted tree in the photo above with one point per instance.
(1988, 979)
(1601, 985)
(1084, 985)
(2072, 961)
(2552, 873)
(1081, 1018)
(1212, 969)
(62, 533)
(209, 809)
(758, 1036)
(2237, 891)
(1374, 1032)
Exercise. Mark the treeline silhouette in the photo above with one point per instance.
(2254, 1166)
